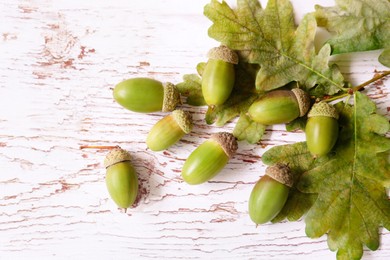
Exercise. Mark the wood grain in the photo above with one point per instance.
(59, 61)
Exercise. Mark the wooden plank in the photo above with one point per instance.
(59, 62)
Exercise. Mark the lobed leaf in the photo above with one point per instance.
(344, 193)
(247, 129)
(191, 88)
(269, 37)
(357, 25)
(384, 58)
(352, 202)
(297, 124)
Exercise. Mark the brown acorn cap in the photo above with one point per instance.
(183, 119)
(116, 155)
(323, 109)
(171, 97)
(223, 53)
(281, 173)
(227, 141)
(303, 100)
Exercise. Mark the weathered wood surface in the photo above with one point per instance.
(58, 63)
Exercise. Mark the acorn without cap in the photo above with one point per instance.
(218, 75)
(209, 158)
(121, 178)
(270, 193)
(146, 95)
(169, 130)
(279, 106)
(322, 129)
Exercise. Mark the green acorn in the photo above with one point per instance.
(146, 95)
(270, 193)
(169, 130)
(218, 75)
(209, 158)
(121, 178)
(322, 129)
(279, 106)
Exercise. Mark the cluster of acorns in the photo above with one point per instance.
(270, 193)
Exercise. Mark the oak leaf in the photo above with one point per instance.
(384, 58)
(191, 87)
(350, 184)
(247, 129)
(270, 38)
(357, 25)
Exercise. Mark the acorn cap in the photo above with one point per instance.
(227, 141)
(183, 119)
(171, 97)
(281, 173)
(323, 109)
(116, 155)
(303, 100)
(223, 53)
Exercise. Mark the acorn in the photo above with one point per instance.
(146, 95)
(322, 128)
(169, 130)
(270, 193)
(218, 75)
(121, 178)
(206, 161)
(279, 106)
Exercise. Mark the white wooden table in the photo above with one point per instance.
(58, 63)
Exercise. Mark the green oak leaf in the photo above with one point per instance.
(352, 202)
(243, 95)
(247, 129)
(357, 25)
(297, 124)
(343, 193)
(200, 67)
(384, 58)
(270, 38)
(191, 88)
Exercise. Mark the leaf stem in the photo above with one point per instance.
(378, 77)
(359, 87)
(336, 97)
